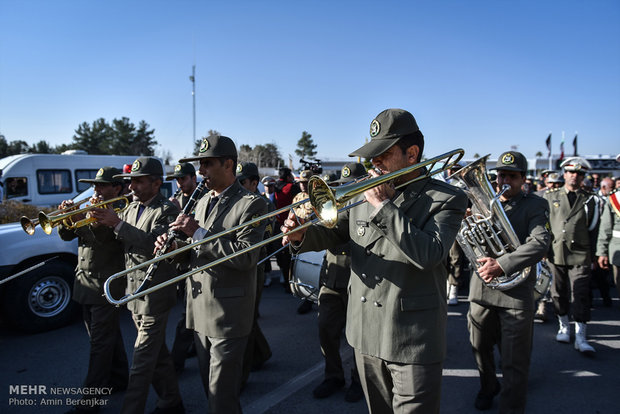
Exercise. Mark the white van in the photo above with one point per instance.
(48, 179)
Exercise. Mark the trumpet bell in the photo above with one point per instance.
(323, 200)
(28, 225)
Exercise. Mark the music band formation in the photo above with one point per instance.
(398, 242)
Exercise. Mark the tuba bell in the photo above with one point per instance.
(487, 231)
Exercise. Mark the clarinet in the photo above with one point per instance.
(172, 236)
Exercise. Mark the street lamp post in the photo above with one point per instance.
(193, 80)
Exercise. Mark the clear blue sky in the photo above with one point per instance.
(481, 75)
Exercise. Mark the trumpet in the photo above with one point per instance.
(29, 224)
(66, 216)
(326, 202)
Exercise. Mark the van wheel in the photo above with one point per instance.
(41, 300)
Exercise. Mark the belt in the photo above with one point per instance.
(616, 233)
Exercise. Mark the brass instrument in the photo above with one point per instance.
(326, 202)
(487, 232)
(49, 221)
(29, 224)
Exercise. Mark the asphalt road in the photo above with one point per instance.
(561, 380)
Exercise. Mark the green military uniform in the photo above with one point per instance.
(151, 364)
(570, 256)
(608, 242)
(99, 256)
(505, 317)
(221, 299)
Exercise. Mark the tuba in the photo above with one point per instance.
(487, 231)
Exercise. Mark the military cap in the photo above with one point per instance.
(105, 175)
(385, 131)
(554, 177)
(246, 170)
(511, 161)
(305, 175)
(181, 170)
(216, 146)
(350, 172)
(268, 180)
(547, 172)
(144, 166)
(577, 164)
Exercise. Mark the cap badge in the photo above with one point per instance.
(508, 159)
(346, 172)
(375, 127)
(99, 173)
(177, 168)
(204, 145)
(239, 168)
(136, 166)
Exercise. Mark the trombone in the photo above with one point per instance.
(326, 203)
(66, 216)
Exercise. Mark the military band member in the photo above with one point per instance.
(185, 176)
(257, 351)
(572, 217)
(505, 317)
(100, 255)
(183, 345)
(137, 228)
(397, 311)
(304, 177)
(333, 297)
(608, 242)
(220, 300)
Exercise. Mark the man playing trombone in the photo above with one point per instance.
(99, 256)
(220, 300)
(397, 311)
(137, 228)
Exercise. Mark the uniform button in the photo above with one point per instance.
(131, 279)
(377, 278)
(193, 289)
(368, 253)
(364, 276)
(377, 304)
(563, 231)
(363, 299)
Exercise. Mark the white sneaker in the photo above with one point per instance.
(564, 330)
(453, 298)
(581, 343)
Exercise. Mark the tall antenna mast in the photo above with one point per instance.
(193, 80)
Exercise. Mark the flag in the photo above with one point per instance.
(575, 146)
(562, 149)
(548, 142)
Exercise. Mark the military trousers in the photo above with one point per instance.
(391, 387)
(570, 291)
(151, 364)
(332, 319)
(456, 263)
(107, 363)
(257, 350)
(512, 331)
(221, 367)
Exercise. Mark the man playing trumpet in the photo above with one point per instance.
(99, 256)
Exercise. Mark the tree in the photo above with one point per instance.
(305, 146)
(95, 139)
(539, 154)
(42, 147)
(143, 142)
(266, 155)
(4, 147)
(17, 147)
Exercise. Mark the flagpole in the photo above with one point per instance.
(550, 152)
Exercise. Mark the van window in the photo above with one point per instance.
(16, 187)
(84, 175)
(54, 181)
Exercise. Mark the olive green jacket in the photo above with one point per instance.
(571, 245)
(397, 291)
(220, 300)
(100, 255)
(529, 216)
(336, 269)
(138, 236)
(608, 243)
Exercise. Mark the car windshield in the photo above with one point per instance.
(85, 195)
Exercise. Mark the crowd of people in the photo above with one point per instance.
(392, 266)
